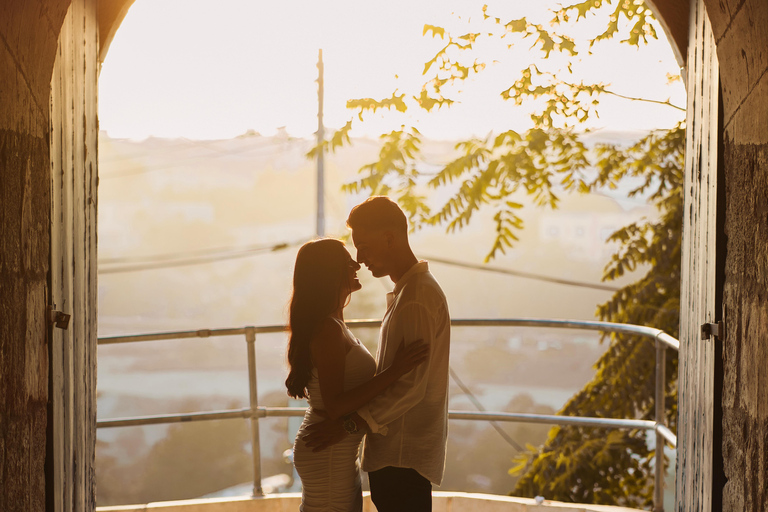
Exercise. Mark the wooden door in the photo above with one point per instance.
(73, 145)
(697, 294)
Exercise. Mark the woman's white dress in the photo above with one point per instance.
(330, 478)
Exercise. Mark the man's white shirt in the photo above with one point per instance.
(409, 420)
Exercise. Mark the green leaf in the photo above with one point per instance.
(365, 104)
(436, 31)
(519, 25)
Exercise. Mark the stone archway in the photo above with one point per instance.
(29, 33)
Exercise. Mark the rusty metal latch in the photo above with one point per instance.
(58, 318)
(716, 329)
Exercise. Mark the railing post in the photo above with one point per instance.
(250, 338)
(661, 368)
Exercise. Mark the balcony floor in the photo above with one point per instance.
(441, 502)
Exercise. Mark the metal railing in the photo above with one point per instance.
(662, 341)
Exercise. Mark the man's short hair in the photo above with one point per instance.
(378, 212)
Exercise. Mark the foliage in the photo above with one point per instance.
(614, 467)
(549, 159)
(552, 158)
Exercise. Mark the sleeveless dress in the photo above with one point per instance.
(330, 478)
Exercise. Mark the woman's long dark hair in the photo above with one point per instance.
(322, 267)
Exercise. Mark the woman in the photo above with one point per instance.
(333, 370)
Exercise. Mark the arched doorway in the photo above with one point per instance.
(737, 30)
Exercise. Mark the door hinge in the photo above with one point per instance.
(58, 318)
(716, 329)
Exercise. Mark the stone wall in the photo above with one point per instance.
(745, 348)
(741, 33)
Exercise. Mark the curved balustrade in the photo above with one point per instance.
(255, 412)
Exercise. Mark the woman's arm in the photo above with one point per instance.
(329, 352)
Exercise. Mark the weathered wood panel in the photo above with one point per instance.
(28, 38)
(74, 136)
(697, 294)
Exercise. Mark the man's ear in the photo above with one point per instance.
(389, 236)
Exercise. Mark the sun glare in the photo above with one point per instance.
(209, 70)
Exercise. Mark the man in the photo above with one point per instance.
(407, 425)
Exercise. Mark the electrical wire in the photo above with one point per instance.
(193, 253)
(172, 261)
(526, 275)
(202, 256)
(472, 398)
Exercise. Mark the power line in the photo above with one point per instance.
(526, 275)
(211, 251)
(172, 261)
(472, 398)
(212, 255)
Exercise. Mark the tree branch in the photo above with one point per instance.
(667, 103)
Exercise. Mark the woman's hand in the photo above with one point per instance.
(409, 356)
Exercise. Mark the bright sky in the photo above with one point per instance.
(205, 69)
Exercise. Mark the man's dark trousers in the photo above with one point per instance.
(400, 490)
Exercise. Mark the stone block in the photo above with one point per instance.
(721, 13)
(742, 53)
(749, 124)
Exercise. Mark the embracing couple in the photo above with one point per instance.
(398, 400)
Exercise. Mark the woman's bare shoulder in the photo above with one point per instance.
(329, 332)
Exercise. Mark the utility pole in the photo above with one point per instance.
(320, 163)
